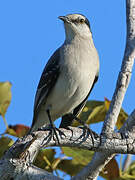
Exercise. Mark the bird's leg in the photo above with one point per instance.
(53, 128)
(85, 126)
(52, 125)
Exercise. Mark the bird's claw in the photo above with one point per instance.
(89, 131)
(53, 132)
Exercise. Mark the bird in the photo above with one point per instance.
(68, 77)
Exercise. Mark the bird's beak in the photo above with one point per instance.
(64, 18)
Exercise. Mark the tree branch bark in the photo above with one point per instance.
(100, 159)
(17, 160)
(125, 72)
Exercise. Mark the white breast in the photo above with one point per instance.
(79, 67)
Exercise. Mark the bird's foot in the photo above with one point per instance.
(53, 132)
(86, 129)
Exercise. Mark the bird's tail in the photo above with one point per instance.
(39, 121)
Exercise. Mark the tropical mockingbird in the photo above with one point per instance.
(68, 77)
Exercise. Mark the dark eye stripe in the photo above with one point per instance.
(87, 22)
(75, 20)
(79, 20)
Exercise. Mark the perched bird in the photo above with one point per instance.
(68, 77)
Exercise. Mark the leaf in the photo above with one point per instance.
(95, 111)
(18, 130)
(81, 156)
(45, 159)
(70, 167)
(5, 144)
(126, 177)
(130, 173)
(80, 159)
(5, 98)
(111, 170)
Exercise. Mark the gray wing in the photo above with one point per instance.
(69, 118)
(47, 81)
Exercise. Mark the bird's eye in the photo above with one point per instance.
(82, 20)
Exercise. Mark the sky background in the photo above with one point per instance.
(30, 32)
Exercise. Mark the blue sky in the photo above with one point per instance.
(30, 32)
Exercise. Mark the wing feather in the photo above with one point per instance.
(47, 82)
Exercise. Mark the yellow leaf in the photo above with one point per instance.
(10, 132)
(5, 144)
(5, 97)
(95, 111)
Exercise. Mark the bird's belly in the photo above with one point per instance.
(68, 93)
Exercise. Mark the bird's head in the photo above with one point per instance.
(76, 24)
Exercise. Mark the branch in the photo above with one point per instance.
(100, 159)
(125, 72)
(17, 160)
(77, 137)
(18, 169)
(129, 124)
(127, 162)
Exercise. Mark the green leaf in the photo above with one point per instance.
(80, 156)
(80, 159)
(45, 159)
(70, 167)
(5, 144)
